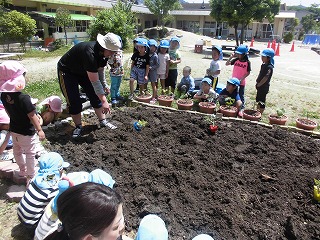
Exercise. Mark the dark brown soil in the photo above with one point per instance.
(200, 182)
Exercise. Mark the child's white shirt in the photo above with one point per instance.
(215, 65)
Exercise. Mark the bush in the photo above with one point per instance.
(56, 44)
(288, 37)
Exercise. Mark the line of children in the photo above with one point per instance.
(241, 70)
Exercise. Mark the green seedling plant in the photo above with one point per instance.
(142, 123)
(211, 120)
(316, 190)
(280, 112)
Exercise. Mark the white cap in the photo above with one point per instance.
(152, 227)
(109, 41)
(202, 237)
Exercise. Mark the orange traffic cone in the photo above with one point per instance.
(292, 47)
(268, 44)
(273, 45)
(278, 50)
(252, 40)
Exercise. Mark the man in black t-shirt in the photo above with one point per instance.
(84, 65)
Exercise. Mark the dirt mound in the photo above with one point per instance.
(203, 183)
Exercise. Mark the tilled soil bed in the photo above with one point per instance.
(200, 182)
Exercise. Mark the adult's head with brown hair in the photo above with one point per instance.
(89, 211)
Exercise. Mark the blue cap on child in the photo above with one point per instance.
(152, 227)
(101, 177)
(207, 80)
(49, 173)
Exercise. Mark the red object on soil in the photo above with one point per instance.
(306, 124)
(274, 119)
(213, 128)
(252, 115)
(144, 98)
(165, 100)
(185, 104)
(228, 111)
(207, 107)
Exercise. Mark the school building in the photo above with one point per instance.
(192, 17)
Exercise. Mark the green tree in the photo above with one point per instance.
(16, 26)
(239, 13)
(308, 23)
(161, 9)
(63, 19)
(119, 19)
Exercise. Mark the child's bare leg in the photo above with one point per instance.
(131, 85)
(154, 89)
(141, 88)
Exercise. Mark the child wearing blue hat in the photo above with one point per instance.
(42, 188)
(215, 66)
(206, 92)
(264, 77)
(49, 220)
(154, 65)
(140, 62)
(175, 59)
(152, 227)
(230, 93)
(241, 69)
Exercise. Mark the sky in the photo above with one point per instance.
(305, 3)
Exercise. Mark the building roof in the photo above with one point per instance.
(286, 15)
(95, 4)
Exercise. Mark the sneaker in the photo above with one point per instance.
(240, 114)
(77, 132)
(120, 98)
(105, 123)
(114, 102)
(131, 96)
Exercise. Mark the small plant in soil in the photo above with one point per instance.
(306, 123)
(211, 120)
(316, 190)
(278, 118)
(140, 124)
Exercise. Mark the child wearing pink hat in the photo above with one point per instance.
(50, 109)
(24, 123)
